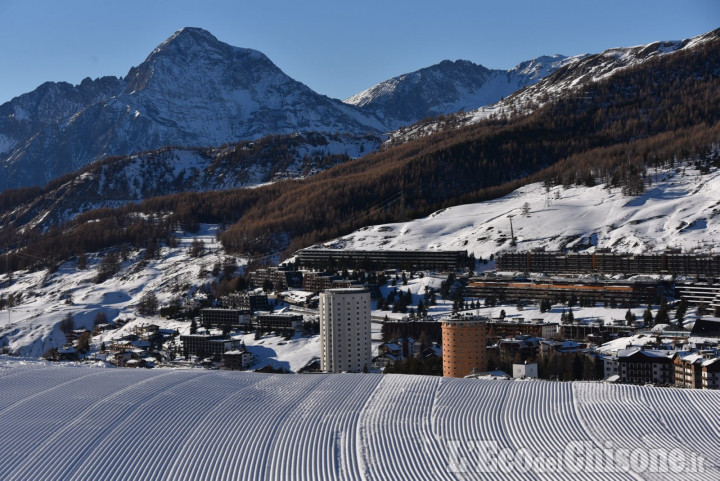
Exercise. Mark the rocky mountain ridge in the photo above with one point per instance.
(449, 87)
(191, 91)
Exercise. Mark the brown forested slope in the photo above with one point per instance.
(612, 130)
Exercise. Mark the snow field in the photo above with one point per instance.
(636, 416)
(677, 211)
(82, 423)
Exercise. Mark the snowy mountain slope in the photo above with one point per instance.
(566, 81)
(119, 180)
(44, 298)
(448, 87)
(192, 424)
(680, 209)
(191, 91)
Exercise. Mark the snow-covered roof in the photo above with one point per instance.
(692, 358)
(657, 353)
(236, 352)
(710, 362)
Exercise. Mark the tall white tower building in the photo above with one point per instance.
(345, 330)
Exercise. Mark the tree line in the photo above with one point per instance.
(611, 131)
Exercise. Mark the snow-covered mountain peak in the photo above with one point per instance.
(187, 36)
(190, 44)
(448, 87)
(539, 68)
(194, 55)
(569, 75)
(192, 90)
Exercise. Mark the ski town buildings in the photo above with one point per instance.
(464, 341)
(322, 258)
(345, 330)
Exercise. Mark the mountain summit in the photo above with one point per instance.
(194, 54)
(192, 91)
(448, 87)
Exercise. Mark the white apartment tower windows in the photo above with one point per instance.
(345, 330)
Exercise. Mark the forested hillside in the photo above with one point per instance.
(116, 181)
(612, 130)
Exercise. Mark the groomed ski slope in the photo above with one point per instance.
(88, 423)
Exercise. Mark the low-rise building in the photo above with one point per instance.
(238, 359)
(523, 346)
(224, 318)
(637, 366)
(611, 366)
(559, 289)
(279, 320)
(688, 369)
(248, 301)
(548, 347)
(100, 328)
(282, 279)
(711, 373)
(519, 326)
(322, 258)
(400, 348)
(203, 345)
(525, 370)
(320, 281)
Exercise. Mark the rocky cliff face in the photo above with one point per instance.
(191, 91)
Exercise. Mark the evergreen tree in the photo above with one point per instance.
(100, 318)
(542, 306)
(148, 304)
(648, 317)
(572, 301)
(630, 317)
(526, 209)
(681, 310)
(662, 316)
(588, 371)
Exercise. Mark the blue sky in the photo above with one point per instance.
(337, 48)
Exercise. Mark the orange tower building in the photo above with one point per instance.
(464, 346)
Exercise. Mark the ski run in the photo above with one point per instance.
(77, 423)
